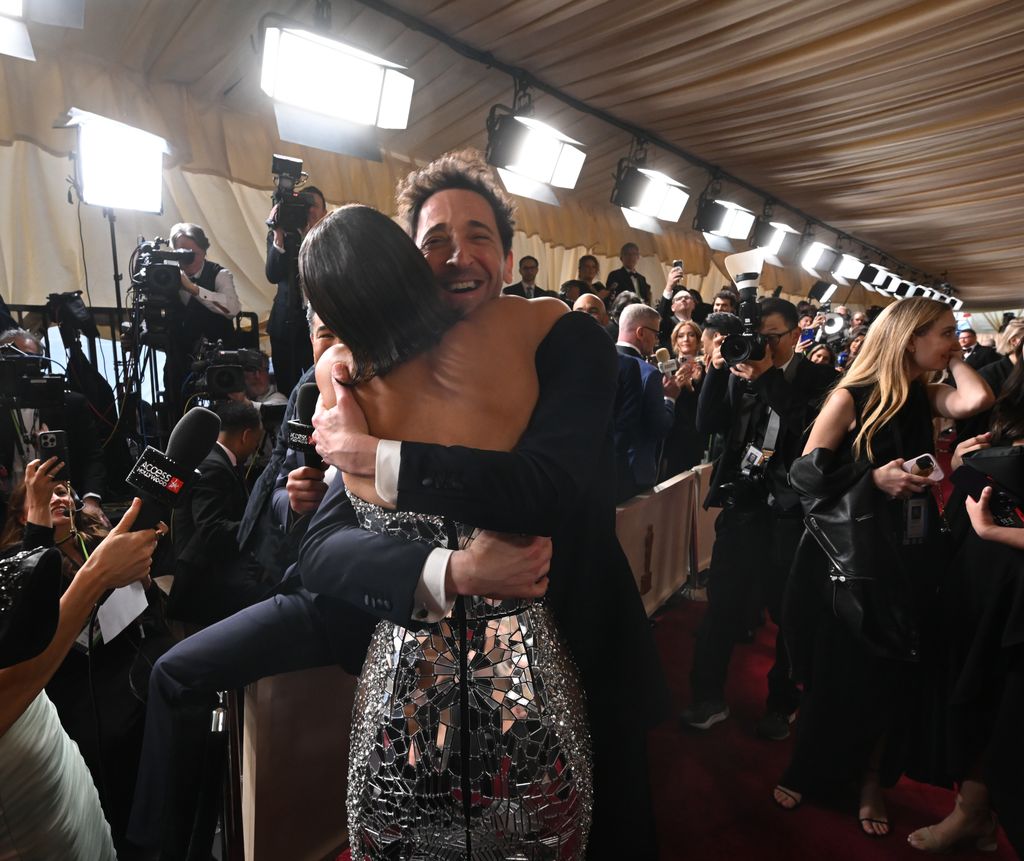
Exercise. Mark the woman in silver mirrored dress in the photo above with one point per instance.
(469, 736)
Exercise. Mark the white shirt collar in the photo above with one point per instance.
(229, 452)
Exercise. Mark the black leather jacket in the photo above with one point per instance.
(849, 560)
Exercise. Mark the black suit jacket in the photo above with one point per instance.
(558, 481)
(619, 281)
(995, 374)
(517, 290)
(655, 421)
(209, 584)
(728, 404)
(981, 356)
(668, 322)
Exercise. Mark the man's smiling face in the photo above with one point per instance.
(458, 236)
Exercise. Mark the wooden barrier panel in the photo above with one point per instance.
(655, 530)
(295, 764)
(704, 537)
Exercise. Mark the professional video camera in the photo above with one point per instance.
(292, 211)
(745, 271)
(219, 372)
(155, 271)
(24, 385)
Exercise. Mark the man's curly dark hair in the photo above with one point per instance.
(465, 170)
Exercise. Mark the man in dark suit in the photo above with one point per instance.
(976, 355)
(673, 309)
(657, 399)
(627, 279)
(209, 585)
(18, 441)
(763, 407)
(527, 287)
(556, 482)
(287, 326)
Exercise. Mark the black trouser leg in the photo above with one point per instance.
(735, 561)
(753, 550)
(785, 534)
(279, 635)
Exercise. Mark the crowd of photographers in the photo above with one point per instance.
(737, 381)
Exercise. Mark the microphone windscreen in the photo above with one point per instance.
(305, 402)
(661, 354)
(193, 437)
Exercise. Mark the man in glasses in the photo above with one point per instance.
(762, 407)
(638, 339)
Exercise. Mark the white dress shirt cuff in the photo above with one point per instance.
(431, 599)
(389, 461)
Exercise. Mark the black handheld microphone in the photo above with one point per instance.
(162, 480)
(300, 428)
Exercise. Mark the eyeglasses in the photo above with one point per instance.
(774, 338)
(649, 329)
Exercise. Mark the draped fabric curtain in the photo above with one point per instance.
(897, 121)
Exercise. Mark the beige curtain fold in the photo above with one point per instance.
(898, 121)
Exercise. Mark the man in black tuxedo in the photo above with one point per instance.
(287, 326)
(675, 305)
(556, 482)
(976, 355)
(627, 279)
(19, 445)
(209, 585)
(527, 287)
(764, 408)
(657, 399)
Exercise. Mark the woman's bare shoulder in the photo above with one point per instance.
(536, 315)
(339, 353)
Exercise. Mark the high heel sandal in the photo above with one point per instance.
(867, 823)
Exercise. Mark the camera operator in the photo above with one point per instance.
(20, 427)
(209, 305)
(763, 406)
(259, 388)
(287, 327)
(207, 291)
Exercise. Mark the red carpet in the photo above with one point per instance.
(712, 790)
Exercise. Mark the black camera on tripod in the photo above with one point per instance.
(292, 213)
(155, 272)
(23, 383)
(219, 372)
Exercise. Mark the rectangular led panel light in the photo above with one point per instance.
(819, 257)
(118, 166)
(535, 150)
(328, 77)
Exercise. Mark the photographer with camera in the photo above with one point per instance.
(207, 291)
(762, 396)
(291, 217)
(57, 418)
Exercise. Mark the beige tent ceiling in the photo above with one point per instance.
(898, 122)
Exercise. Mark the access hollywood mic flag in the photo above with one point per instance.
(300, 428)
(163, 480)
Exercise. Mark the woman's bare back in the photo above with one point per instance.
(477, 388)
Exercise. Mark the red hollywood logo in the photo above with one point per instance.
(174, 485)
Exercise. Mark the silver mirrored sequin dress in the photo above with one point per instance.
(497, 767)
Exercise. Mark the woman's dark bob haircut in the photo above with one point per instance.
(371, 286)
